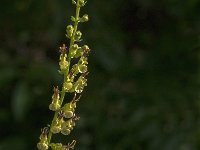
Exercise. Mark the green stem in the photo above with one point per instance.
(72, 40)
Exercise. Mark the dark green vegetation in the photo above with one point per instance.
(143, 88)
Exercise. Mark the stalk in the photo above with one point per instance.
(64, 116)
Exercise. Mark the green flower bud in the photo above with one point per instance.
(56, 146)
(82, 3)
(68, 114)
(63, 63)
(80, 84)
(82, 68)
(55, 105)
(69, 30)
(73, 50)
(65, 131)
(68, 110)
(55, 129)
(78, 35)
(83, 60)
(86, 49)
(75, 46)
(63, 50)
(79, 88)
(84, 18)
(82, 80)
(70, 27)
(75, 71)
(68, 85)
(74, 2)
(42, 146)
(79, 52)
(56, 126)
(67, 126)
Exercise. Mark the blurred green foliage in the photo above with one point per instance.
(143, 89)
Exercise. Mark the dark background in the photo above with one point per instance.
(143, 88)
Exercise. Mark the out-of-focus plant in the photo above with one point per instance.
(74, 82)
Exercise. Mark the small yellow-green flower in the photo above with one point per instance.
(69, 30)
(56, 146)
(78, 35)
(82, 68)
(43, 144)
(56, 126)
(84, 18)
(55, 105)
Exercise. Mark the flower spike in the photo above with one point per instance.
(74, 74)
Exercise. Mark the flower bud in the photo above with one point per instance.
(82, 68)
(56, 146)
(54, 106)
(74, 2)
(69, 30)
(55, 129)
(79, 52)
(82, 80)
(86, 49)
(65, 131)
(73, 50)
(82, 3)
(83, 60)
(67, 126)
(79, 88)
(75, 46)
(42, 146)
(70, 27)
(68, 114)
(80, 84)
(63, 63)
(84, 18)
(68, 85)
(62, 50)
(56, 126)
(75, 71)
(78, 35)
(68, 110)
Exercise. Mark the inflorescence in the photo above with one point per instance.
(74, 82)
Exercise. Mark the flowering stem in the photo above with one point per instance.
(64, 116)
(72, 40)
(75, 28)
